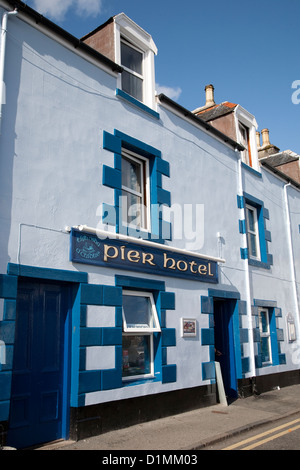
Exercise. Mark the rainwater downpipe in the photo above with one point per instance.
(247, 277)
(2, 59)
(291, 253)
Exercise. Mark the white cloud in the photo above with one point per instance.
(89, 7)
(54, 8)
(170, 92)
(57, 9)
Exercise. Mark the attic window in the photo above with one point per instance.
(245, 141)
(132, 76)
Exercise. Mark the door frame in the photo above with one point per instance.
(73, 280)
(67, 354)
(231, 300)
(65, 346)
(224, 341)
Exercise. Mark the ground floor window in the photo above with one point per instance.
(265, 337)
(140, 322)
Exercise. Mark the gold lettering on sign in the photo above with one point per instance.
(166, 260)
(193, 263)
(122, 249)
(179, 265)
(148, 258)
(138, 256)
(202, 269)
(107, 248)
(133, 256)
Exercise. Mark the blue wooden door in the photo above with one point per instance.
(224, 344)
(38, 385)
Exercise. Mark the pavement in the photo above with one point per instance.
(195, 430)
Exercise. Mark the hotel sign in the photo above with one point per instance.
(88, 248)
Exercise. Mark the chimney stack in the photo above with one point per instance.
(266, 149)
(257, 139)
(209, 95)
(265, 137)
(209, 98)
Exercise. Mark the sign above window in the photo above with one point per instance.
(88, 248)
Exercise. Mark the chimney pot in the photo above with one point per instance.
(209, 95)
(258, 139)
(265, 137)
(267, 149)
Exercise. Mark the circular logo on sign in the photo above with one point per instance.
(88, 250)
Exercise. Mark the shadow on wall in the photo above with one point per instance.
(8, 137)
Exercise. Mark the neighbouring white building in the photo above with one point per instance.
(140, 242)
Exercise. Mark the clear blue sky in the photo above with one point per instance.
(248, 50)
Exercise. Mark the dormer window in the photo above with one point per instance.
(235, 122)
(135, 51)
(127, 44)
(245, 141)
(246, 126)
(132, 76)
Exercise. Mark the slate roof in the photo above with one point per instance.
(282, 158)
(216, 111)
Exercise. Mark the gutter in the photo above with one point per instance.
(2, 58)
(188, 114)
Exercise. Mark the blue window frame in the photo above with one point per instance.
(140, 321)
(135, 200)
(267, 334)
(257, 236)
(252, 232)
(147, 161)
(148, 336)
(268, 340)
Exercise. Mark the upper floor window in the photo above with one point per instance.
(245, 141)
(135, 190)
(123, 41)
(246, 126)
(135, 51)
(255, 228)
(138, 182)
(132, 76)
(252, 232)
